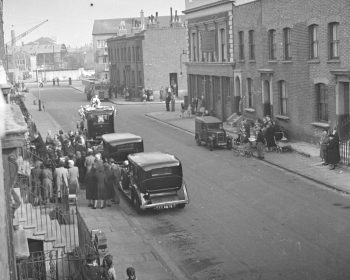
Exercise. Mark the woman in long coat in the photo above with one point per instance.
(101, 185)
(269, 136)
(333, 154)
(109, 182)
(73, 178)
(61, 180)
(91, 187)
(47, 182)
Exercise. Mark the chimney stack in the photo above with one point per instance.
(171, 16)
(156, 17)
(142, 16)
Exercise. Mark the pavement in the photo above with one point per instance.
(126, 240)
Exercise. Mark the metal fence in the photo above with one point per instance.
(51, 265)
(344, 149)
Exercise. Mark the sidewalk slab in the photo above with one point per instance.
(124, 243)
(304, 161)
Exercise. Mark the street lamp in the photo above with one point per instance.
(183, 52)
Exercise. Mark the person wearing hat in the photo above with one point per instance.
(333, 154)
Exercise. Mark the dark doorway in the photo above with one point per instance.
(173, 83)
(267, 100)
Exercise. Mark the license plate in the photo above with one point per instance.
(168, 206)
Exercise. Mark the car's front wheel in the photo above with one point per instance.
(136, 203)
(198, 141)
(181, 206)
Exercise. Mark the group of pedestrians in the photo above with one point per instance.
(106, 271)
(102, 181)
(329, 151)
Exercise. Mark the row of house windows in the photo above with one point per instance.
(320, 92)
(125, 54)
(209, 45)
(333, 43)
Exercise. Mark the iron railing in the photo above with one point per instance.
(56, 221)
(344, 149)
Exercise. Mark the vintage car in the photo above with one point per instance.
(98, 121)
(154, 180)
(210, 130)
(119, 145)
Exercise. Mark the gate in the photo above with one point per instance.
(344, 143)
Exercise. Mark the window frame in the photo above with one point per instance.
(287, 43)
(241, 44)
(250, 92)
(333, 40)
(251, 44)
(313, 41)
(283, 97)
(272, 44)
(223, 44)
(322, 102)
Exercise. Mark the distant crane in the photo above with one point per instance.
(15, 39)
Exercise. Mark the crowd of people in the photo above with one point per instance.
(106, 271)
(265, 133)
(67, 165)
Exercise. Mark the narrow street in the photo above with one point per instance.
(245, 220)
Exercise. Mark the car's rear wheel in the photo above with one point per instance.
(181, 206)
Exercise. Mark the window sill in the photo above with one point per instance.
(321, 124)
(250, 110)
(314, 61)
(287, 61)
(282, 117)
(252, 61)
(272, 61)
(335, 60)
(241, 61)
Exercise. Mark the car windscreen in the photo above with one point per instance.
(214, 125)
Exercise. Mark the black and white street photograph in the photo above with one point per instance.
(175, 139)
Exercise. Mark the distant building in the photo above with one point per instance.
(210, 69)
(150, 58)
(104, 29)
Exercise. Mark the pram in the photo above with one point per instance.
(242, 149)
(282, 142)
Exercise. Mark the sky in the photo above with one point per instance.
(70, 22)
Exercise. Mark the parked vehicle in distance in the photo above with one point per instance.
(119, 145)
(93, 86)
(210, 130)
(154, 180)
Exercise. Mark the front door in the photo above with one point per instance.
(343, 110)
(267, 109)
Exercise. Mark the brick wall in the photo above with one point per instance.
(162, 48)
(301, 74)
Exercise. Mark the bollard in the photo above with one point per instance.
(70, 81)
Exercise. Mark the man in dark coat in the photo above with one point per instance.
(333, 154)
(91, 187)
